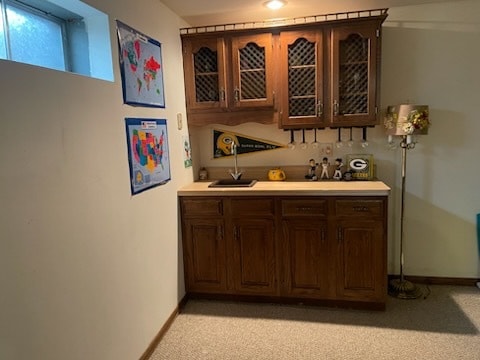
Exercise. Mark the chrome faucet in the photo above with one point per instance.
(236, 175)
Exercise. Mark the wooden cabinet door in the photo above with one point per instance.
(354, 87)
(253, 252)
(204, 255)
(305, 260)
(302, 86)
(252, 71)
(204, 66)
(361, 260)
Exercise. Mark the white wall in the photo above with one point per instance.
(86, 270)
(430, 56)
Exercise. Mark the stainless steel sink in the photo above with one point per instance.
(228, 183)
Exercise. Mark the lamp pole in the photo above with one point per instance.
(401, 288)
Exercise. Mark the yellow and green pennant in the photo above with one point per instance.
(222, 143)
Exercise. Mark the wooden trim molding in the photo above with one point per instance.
(156, 340)
(434, 280)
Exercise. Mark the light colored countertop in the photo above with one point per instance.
(262, 188)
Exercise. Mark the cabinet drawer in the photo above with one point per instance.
(202, 206)
(249, 207)
(304, 207)
(359, 208)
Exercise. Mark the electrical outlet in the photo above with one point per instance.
(326, 149)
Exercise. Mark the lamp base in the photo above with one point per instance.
(404, 289)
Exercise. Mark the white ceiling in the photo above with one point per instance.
(215, 12)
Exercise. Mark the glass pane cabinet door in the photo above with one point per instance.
(252, 71)
(204, 68)
(354, 76)
(206, 75)
(302, 83)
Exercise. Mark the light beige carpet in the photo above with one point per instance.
(445, 325)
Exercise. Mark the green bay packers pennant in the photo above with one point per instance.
(222, 144)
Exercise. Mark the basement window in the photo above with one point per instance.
(64, 35)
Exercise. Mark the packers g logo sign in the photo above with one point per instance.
(358, 164)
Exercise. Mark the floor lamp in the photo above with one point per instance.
(405, 121)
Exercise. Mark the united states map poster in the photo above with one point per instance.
(148, 154)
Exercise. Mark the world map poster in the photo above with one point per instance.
(148, 154)
(141, 68)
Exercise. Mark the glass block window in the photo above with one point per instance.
(3, 47)
(45, 48)
(54, 34)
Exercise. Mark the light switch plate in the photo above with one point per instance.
(179, 121)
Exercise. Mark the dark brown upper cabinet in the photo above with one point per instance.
(229, 79)
(302, 74)
(205, 73)
(315, 75)
(355, 74)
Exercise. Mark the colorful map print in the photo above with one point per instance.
(141, 67)
(147, 149)
(147, 153)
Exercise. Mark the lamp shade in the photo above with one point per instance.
(407, 119)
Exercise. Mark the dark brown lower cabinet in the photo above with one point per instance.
(322, 249)
(204, 255)
(253, 255)
(251, 236)
(306, 258)
(360, 260)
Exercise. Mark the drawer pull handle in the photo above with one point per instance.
(305, 209)
(360, 208)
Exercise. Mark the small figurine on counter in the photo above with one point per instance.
(337, 175)
(325, 166)
(311, 173)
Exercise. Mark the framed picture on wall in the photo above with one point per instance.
(141, 68)
(148, 154)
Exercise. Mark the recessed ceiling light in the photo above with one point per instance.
(275, 4)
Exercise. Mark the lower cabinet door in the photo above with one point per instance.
(361, 268)
(253, 255)
(204, 255)
(305, 261)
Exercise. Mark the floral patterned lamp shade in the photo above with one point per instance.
(407, 119)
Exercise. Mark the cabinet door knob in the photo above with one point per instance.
(335, 107)
(339, 234)
(236, 94)
(319, 109)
